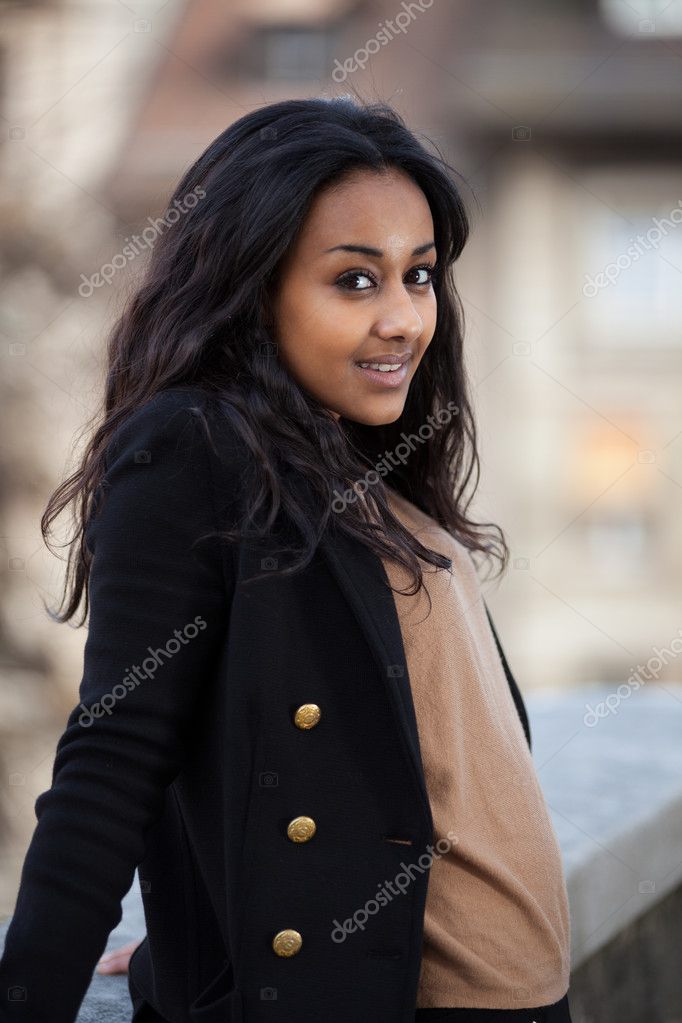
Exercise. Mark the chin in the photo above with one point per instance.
(379, 417)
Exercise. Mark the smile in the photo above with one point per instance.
(383, 374)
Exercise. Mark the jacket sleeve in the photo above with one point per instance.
(158, 605)
(515, 691)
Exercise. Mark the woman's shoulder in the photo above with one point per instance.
(160, 408)
(176, 451)
(178, 419)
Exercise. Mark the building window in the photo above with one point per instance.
(646, 17)
(631, 284)
(294, 54)
(284, 53)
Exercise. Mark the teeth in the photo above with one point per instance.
(382, 366)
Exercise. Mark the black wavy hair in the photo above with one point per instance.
(201, 317)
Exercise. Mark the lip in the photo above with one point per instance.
(393, 359)
(391, 380)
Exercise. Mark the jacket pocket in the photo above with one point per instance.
(218, 1002)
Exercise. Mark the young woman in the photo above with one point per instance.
(295, 715)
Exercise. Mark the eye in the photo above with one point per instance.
(426, 268)
(345, 281)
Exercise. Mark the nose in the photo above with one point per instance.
(398, 316)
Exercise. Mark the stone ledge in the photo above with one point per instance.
(614, 791)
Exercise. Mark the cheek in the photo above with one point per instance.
(430, 316)
(325, 332)
(306, 311)
(309, 347)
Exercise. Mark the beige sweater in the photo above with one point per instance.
(496, 926)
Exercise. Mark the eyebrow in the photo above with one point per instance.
(366, 250)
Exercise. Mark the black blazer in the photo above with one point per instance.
(190, 753)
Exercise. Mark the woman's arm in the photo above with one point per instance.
(158, 607)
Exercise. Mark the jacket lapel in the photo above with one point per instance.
(363, 580)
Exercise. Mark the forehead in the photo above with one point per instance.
(386, 210)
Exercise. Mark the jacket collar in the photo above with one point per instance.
(362, 577)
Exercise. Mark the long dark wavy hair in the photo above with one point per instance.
(201, 316)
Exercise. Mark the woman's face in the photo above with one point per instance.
(356, 287)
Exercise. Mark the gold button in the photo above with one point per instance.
(307, 715)
(301, 829)
(287, 942)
